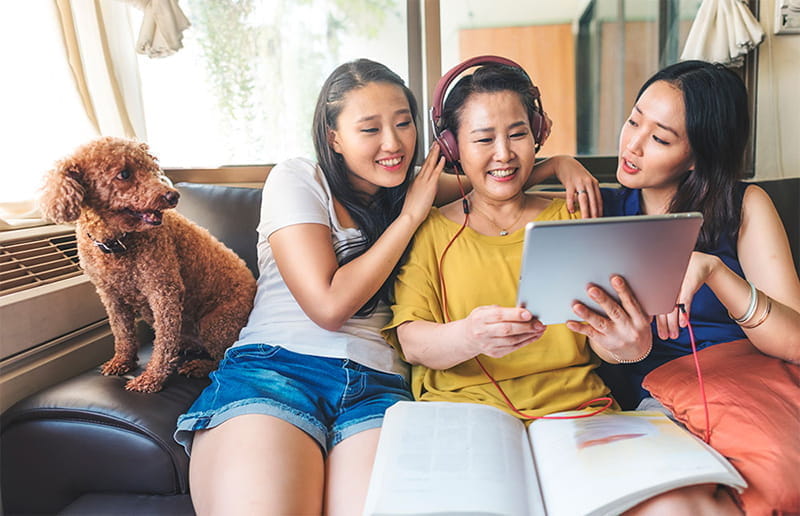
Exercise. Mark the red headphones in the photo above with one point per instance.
(446, 139)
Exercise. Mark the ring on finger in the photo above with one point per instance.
(581, 192)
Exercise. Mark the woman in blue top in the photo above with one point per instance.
(682, 149)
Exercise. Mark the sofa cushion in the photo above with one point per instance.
(110, 504)
(753, 413)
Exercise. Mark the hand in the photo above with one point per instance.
(625, 332)
(422, 190)
(582, 188)
(700, 268)
(496, 331)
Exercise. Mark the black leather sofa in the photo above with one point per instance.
(87, 446)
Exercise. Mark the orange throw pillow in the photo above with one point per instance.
(754, 410)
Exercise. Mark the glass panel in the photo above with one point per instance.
(243, 88)
(588, 58)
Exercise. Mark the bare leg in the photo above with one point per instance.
(256, 464)
(696, 500)
(348, 470)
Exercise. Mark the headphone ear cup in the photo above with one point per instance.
(538, 127)
(448, 146)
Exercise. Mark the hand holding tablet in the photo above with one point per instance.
(560, 259)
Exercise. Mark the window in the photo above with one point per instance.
(244, 87)
(43, 119)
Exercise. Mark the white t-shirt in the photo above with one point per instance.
(296, 192)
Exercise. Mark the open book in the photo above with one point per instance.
(465, 458)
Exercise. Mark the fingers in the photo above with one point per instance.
(662, 326)
(586, 196)
(499, 331)
(595, 200)
(584, 203)
(630, 303)
(434, 162)
(581, 327)
(594, 325)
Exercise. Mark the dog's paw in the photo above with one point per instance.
(198, 368)
(117, 366)
(145, 383)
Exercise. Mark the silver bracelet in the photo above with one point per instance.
(750, 309)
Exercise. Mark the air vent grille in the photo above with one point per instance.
(39, 260)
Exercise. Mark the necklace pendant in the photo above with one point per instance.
(503, 232)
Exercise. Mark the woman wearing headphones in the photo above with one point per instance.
(290, 422)
(462, 334)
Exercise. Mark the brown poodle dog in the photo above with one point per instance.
(148, 261)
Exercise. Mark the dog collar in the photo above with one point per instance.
(110, 246)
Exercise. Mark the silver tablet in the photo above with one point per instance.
(560, 258)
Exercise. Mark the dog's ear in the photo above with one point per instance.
(62, 193)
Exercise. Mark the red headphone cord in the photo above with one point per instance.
(701, 385)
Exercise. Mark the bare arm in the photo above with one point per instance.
(766, 260)
(489, 330)
(330, 294)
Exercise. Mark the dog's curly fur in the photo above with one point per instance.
(194, 291)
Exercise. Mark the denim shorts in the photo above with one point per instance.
(330, 399)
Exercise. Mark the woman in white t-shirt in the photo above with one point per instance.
(290, 422)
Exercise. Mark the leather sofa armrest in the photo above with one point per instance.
(88, 435)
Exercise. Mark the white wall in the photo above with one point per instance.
(778, 113)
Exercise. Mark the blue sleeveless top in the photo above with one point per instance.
(709, 318)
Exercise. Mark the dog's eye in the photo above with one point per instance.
(124, 174)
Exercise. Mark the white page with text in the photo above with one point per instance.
(452, 458)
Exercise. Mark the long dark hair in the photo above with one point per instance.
(372, 214)
(489, 78)
(717, 125)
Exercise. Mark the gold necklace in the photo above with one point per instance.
(503, 231)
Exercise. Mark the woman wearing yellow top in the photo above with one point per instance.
(492, 114)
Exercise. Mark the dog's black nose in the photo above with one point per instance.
(172, 197)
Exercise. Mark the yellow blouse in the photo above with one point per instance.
(551, 374)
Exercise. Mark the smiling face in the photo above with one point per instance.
(496, 144)
(654, 150)
(376, 136)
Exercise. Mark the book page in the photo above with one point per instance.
(608, 463)
(452, 458)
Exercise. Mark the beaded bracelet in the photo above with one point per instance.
(751, 309)
(623, 361)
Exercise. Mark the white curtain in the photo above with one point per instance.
(98, 38)
(724, 31)
(163, 23)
